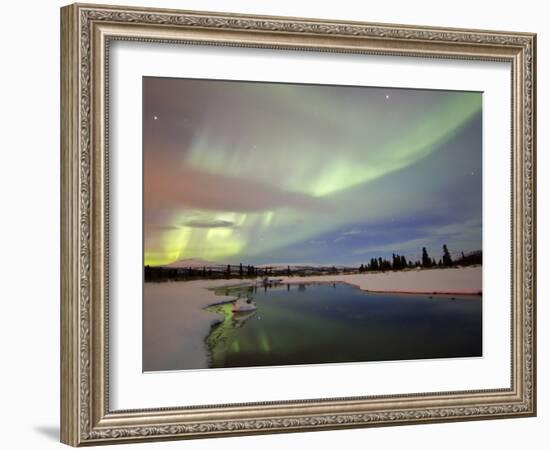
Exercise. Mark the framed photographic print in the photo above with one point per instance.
(275, 224)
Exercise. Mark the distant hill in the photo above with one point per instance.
(193, 263)
(305, 266)
(285, 265)
(197, 263)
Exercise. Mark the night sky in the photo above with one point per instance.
(284, 173)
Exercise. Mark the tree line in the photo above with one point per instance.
(399, 262)
(159, 273)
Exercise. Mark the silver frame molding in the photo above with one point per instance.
(86, 32)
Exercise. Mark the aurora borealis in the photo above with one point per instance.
(285, 173)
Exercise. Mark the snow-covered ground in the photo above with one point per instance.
(460, 281)
(175, 324)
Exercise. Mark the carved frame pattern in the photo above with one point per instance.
(86, 418)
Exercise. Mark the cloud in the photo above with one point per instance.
(156, 227)
(345, 235)
(210, 224)
(352, 232)
(460, 229)
(394, 246)
(467, 234)
(317, 242)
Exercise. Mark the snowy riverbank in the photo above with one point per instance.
(175, 323)
(459, 281)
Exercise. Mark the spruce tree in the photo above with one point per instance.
(426, 260)
(447, 260)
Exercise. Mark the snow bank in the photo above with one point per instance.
(458, 281)
(175, 324)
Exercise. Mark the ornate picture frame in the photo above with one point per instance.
(87, 32)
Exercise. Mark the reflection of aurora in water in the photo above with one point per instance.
(262, 172)
(324, 323)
